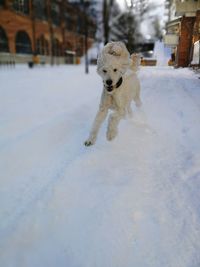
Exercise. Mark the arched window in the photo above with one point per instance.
(46, 47)
(23, 43)
(68, 46)
(3, 41)
(42, 46)
(21, 6)
(40, 9)
(57, 48)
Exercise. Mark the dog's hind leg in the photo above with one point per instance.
(100, 117)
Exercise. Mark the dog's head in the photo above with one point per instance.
(112, 63)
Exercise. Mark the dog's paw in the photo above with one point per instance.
(111, 135)
(88, 143)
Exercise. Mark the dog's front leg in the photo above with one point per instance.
(113, 122)
(100, 117)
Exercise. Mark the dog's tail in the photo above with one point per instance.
(135, 62)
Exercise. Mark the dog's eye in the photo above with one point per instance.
(104, 71)
(115, 70)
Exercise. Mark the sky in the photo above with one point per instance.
(159, 12)
(158, 2)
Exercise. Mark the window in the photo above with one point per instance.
(40, 9)
(55, 16)
(3, 41)
(23, 43)
(69, 22)
(21, 6)
(68, 46)
(42, 46)
(2, 2)
(57, 48)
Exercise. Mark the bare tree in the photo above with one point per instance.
(118, 25)
(139, 7)
(126, 29)
(157, 28)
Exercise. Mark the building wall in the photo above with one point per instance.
(184, 48)
(196, 30)
(188, 29)
(12, 22)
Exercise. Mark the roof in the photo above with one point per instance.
(174, 22)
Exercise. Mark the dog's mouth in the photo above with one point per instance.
(111, 87)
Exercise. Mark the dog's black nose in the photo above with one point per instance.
(109, 82)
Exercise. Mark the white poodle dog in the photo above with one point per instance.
(121, 85)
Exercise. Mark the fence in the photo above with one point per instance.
(7, 61)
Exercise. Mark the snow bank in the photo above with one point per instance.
(162, 53)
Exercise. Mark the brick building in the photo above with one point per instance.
(183, 31)
(53, 29)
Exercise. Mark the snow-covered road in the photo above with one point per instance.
(132, 202)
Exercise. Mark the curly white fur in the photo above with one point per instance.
(121, 85)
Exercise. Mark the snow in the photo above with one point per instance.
(130, 202)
